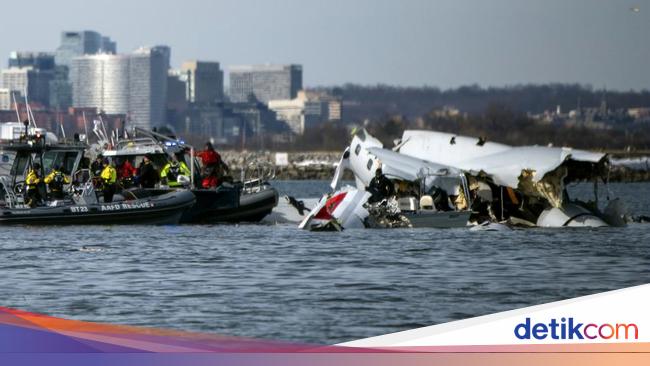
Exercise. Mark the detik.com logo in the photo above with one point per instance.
(568, 328)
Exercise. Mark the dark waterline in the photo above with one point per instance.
(278, 282)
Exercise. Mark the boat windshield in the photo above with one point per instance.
(158, 160)
(65, 159)
(20, 164)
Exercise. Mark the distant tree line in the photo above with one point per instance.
(372, 102)
(498, 114)
(500, 123)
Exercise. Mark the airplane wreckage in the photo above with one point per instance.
(445, 180)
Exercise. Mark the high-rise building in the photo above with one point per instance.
(240, 124)
(176, 90)
(204, 81)
(265, 82)
(108, 46)
(29, 72)
(101, 81)
(38, 60)
(301, 113)
(148, 85)
(6, 100)
(60, 89)
(28, 79)
(133, 84)
(75, 44)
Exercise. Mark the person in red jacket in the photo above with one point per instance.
(209, 157)
(125, 172)
(211, 161)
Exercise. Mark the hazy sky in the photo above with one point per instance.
(408, 42)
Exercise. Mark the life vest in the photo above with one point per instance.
(173, 171)
(56, 180)
(109, 175)
(32, 179)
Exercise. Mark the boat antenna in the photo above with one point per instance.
(13, 95)
(30, 115)
(98, 132)
(113, 137)
(83, 113)
(101, 121)
(126, 133)
(62, 129)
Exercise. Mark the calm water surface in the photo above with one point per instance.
(282, 283)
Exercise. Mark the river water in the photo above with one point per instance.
(277, 282)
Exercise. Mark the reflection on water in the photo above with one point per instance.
(281, 283)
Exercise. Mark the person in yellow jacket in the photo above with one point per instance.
(33, 182)
(55, 181)
(172, 170)
(109, 180)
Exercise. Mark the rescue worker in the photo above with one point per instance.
(34, 184)
(109, 180)
(172, 170)
(125, 172)
(209, 156)
(147, 174)
(97, 166)
(96, 169)
(55, 181)
(380, 187)
(210, 159)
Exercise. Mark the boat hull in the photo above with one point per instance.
(228, 206)
(165, 209)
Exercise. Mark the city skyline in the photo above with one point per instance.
(413, 43)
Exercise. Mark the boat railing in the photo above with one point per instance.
(256, 174)
(140, 142)
(81, 176)
(12, 199)
(83, 189)
(6, 161)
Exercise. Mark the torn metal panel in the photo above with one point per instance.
(404, 167)
(531, 169)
